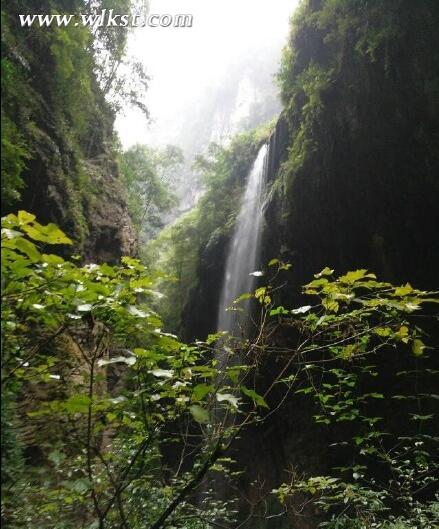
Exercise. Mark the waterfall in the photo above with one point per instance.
(244, 249)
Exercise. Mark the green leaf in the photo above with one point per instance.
(418, 347)
(257, 399)
(242, 297)
(260, 292)
(325, 272)
(383, 331)
(52, 259)
(212, 338)
(56, 457)
(278, 310)
(416, 417)
(330, 304)
(50, 234)
(200, 414)
(201, 390)
(28, 248)
(374, 395)
(25, 218)
(403, 334)
(77, 404)
(351, 277)
(316, 283)
(403, 291)
(81, 485)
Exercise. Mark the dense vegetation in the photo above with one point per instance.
(359, 83)
(82, 435)
(325, 415)
(61, 87)
(204, 230)
(148, 176)
(95, 395)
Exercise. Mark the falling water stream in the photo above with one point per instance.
(244, 249)
(242, 259)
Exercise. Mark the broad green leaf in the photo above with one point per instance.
(77, 404)
(200, 414)
(25, 218)
(81, 485)
(325, 272)
(316, 283)
(212, 338)
(278, 310)
(52, 259)
(330, 304)
(403, 334)
(257, 399)
(50, 234)
(348, 351)
(383, 331)
(403, 291)
(418, 347)
(201, 390)
(260, 292)
(353, 276)
(28, 248)
(56, 457)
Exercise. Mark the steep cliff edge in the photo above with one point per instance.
(58, 158)
(354, 158)
(352, 183)
(356, 185)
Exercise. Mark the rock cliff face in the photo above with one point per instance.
(355, 181)
(354, 157)
(352, 178)
(59, 160)
(81, 194)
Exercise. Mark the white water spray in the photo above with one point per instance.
(244, 249)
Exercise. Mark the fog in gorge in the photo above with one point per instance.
(208, 82)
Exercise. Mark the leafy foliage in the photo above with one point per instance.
(61, 88)
(361, 356)
(147, 175)
(94, 390)
(178, 248)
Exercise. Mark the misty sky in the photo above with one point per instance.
(185, 62)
